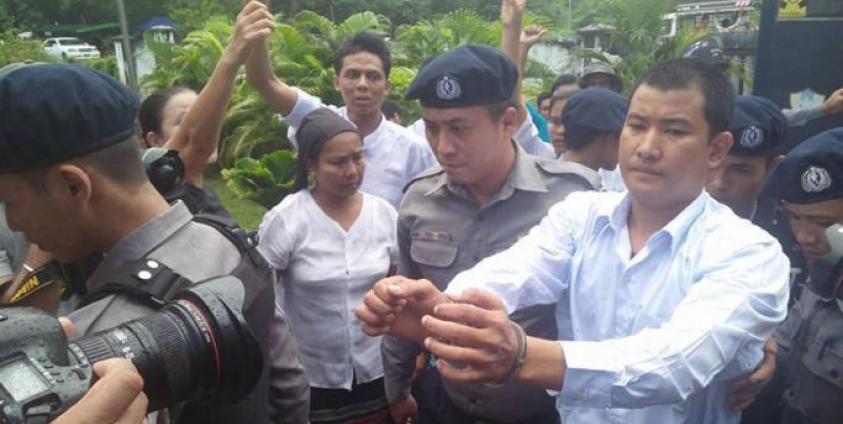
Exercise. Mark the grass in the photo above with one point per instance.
(246, 212)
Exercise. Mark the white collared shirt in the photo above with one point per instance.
(325, 272)
(393, 154)
(527, 137)
(612, 180)
(659, 337)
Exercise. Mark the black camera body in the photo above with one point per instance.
(36, 371)
(199, 346)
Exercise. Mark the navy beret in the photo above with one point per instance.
(51, 113)
(465, 76)
(593, 110)
(758, 126)
(706, 51)
(812, 172)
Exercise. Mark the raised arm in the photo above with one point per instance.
(512, 15)
(279, 95)
(198, 135)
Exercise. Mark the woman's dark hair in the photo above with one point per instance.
(151, 114)
(308, 153)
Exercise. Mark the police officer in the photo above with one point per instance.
(593, 119)
(758, 127)
(486, 193)
(809, 182)
(72, 182)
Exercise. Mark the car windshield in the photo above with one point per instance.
(70, 41)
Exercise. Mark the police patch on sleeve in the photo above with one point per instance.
(752, 138)
(815, 180)
(448, 88)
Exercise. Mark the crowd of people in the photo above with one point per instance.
(587, 257)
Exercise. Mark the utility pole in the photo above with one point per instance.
(131, 76)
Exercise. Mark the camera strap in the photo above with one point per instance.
(151, 282)
(35, 281)
(146, 280)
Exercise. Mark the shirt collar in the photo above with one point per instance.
(142, 241)
(616, 217)
(523, 176)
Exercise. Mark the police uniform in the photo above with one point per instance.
(443, 231)
(590, 112)
(810, 359)
(759, 127)
(84, 111)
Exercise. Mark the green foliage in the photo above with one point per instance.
(265, 181)
(14, 50)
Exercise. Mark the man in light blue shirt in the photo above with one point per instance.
(671, 295)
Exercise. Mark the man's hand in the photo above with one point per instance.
(743, 392)
(404, 411)
(834, 104)
(117, 397)
(254, 23)
(531, 35)
(472, 338)
(395, 306)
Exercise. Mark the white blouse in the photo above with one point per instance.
(324, 273)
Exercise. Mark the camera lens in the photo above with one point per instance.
(196, 347)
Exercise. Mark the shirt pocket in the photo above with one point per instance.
(434, 249)
(824, 357)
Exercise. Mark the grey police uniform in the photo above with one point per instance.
(199, 252)
(442, 232)
(810, 359)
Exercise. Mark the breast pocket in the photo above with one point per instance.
(434, 252)
(819, 390)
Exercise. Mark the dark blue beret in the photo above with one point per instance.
(591, 111)
(812, 172)
(51, 113)
(757, 125)
(706, 51)
(465, 76)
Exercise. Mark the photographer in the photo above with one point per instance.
(72, 182)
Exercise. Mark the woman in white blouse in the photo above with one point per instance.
(330, 243)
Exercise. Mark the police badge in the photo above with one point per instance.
(815, 180)
(752, 138)
(448, 88)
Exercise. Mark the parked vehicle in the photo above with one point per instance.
(70, 48)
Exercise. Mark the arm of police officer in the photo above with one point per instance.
(198, 135)
(833, 105)
(117, 397)
(716, 333)
(259, 70)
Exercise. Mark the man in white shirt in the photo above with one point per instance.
(393, 154)
(671, 295)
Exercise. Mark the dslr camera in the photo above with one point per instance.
(196, 347)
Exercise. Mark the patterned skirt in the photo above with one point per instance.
(364, 404)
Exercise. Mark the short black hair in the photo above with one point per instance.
(497, 110)
(391, 108)
(542, 97)
(718, 93)
(119, 163)
(363, 41)
(562, 96)
(151, 113)
(564, 79)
